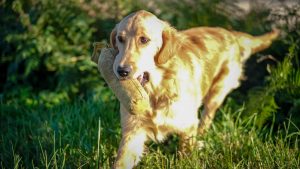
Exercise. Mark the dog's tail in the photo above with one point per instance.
(251, 44)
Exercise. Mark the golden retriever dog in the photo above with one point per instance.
(181, 71)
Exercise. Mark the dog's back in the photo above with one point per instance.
(224, 53)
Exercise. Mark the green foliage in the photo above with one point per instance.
(49, 53)
(280, 96)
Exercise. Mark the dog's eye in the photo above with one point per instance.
(121, 39)
(144, 40)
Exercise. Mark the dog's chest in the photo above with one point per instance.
(175, 102)
(178, 117)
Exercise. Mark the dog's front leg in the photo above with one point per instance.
(132, 144)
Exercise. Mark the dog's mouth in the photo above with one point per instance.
(143, 78)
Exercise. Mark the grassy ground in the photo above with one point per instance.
(67, 136)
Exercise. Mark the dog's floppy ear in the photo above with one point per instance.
(171, 45)
(113, 35)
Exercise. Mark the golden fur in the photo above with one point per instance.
(187, 69)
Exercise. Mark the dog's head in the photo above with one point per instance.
(143, 42)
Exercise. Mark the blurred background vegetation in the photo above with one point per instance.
(45, 48)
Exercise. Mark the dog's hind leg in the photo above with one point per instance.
(223, 84)
(188, 141)
(230, 74)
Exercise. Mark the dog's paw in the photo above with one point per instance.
(200, 144)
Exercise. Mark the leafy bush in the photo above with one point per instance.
(280, 96)
(48, 51)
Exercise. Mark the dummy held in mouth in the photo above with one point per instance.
(129, 92)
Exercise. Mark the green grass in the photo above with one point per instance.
(67, 136)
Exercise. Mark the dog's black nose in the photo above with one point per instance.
(124, 71)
